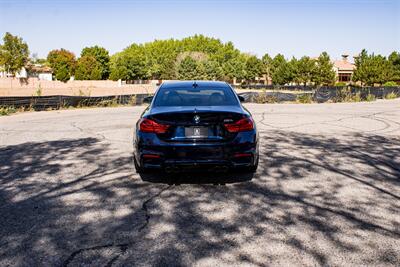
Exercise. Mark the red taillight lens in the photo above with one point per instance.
(151, 156)
(245, 124)
(150, 126)
(242, 155)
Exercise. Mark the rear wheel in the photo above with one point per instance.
(253, 168)
(138, 168)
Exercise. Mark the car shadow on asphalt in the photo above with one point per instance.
(315, 200)
(198, 177)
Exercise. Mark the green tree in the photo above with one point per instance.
(253, 68)
(394, 60)
(324, 73)
(130, 64)
(305, 70)
(102, 57)
(88, 68)
(160, 58)
(201, 43)
(14, 53)
(190, 69)
(360, 74)
(235, 68)
(213, 71)
(281, 71)
(267, 65)
(372, 69)
(63, 64)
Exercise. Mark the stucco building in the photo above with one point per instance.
(344, 69)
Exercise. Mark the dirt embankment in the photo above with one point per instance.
(32, 86)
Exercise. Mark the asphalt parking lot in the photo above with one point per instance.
(326, 193)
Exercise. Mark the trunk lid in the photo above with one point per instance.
(200, 124)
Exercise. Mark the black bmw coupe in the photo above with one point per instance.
(195, 124)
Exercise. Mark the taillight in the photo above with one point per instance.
(242, 155)
(245, 124)
(150, 126)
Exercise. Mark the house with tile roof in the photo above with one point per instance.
(344, 69)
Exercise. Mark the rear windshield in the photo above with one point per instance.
(208, 96)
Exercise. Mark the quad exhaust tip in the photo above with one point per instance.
(218, 169)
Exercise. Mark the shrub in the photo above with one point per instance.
(390, 84)
(370, 97)
(263, 98)
(343, 95)
(132, 100)
(271, 99)
(108, 103)
(356, 97)
(304, 98)
(391, 95)
(7, 110)
(39, 91)
(340, 84)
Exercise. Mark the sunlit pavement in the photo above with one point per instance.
(326, 193)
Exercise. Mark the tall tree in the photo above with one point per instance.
(88, 68)
(267, 65)
(394, 60)
(63, 64)
(14, 53)
(213, 71)
(281, 72)
(360, 74)
(294, 70)
(130, 64)
(190, 69)
(253, 68)
(235, 68)
(305, 70)
(160, 58)
(372, 69)
(101, 56)
(324, 73)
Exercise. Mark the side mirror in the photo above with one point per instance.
(241, 98)
(148, 99)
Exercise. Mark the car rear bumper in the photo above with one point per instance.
(210, 157)
(173, 166)
(151, 152)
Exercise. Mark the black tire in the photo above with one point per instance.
(253, 169)
(137, 166)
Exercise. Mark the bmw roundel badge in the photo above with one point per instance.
(196, 118)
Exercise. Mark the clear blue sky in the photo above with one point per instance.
(304, 27)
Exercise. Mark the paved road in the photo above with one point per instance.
(326, 193)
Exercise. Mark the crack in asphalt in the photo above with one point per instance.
(123, 247)
(74, 124)
(102, 136)
(264, 123)
(145, 209)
